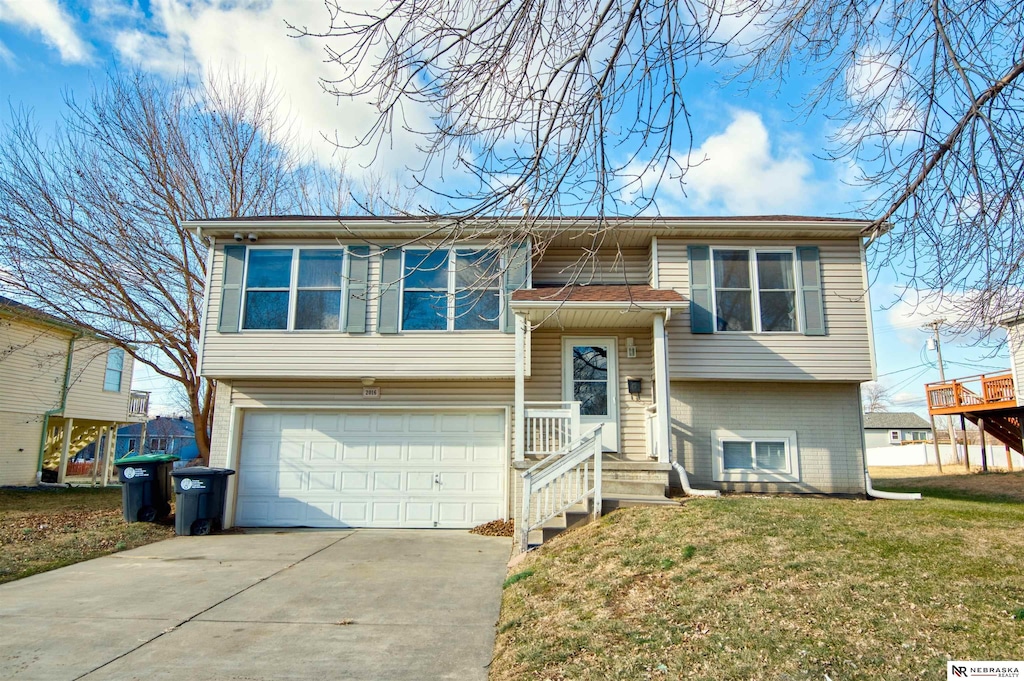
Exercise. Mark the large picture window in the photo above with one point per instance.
(451, 290)
(755, 456)
(754, 290)
(293, 288)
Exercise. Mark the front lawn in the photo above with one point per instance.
(770, 588)
(49, 528)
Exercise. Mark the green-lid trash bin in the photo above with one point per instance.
(145, 486)
(200, 492)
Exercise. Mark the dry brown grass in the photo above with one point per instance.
(952, 484)
(45, 529)
(769, 588)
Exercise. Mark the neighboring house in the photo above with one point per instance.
(61, 388)
(1014, 325)
(370, 374)
(160, 435)
(893, 429)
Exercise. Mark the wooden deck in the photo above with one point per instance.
(981, 393)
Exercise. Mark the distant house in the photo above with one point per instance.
(161, 435)
(176, 436)
(62, 388)
(894, 428)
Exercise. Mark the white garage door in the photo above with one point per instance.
(371, 469)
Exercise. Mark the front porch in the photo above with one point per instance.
(591, 413)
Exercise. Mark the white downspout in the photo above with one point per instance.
(893, 496)
(690, 491)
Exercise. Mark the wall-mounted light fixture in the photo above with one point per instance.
(630, 348)
(368, 380)
(635, 386)
(252, 238)
(238, 237)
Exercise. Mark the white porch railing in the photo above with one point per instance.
(138, 403)
(559, 482)
(651, 430)
(550, 427)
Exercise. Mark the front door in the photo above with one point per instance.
(590, 377)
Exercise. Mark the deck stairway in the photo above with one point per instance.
(988, 401)
(575, 485)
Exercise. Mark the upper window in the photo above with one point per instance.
(895, 436)
(450, 290)
(755, 456)
(115, 369)
(293, 288)
(755, 290)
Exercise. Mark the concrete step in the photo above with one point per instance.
(631, 488)
(612, 503)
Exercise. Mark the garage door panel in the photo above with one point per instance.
(366, 469)
(387, 451)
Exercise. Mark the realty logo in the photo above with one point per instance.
(962, 669)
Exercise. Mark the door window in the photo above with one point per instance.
(590, 379)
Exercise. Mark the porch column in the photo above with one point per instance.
(69, 425)
(99, 448)
(661, 390)
(520, 396)
(108, 459)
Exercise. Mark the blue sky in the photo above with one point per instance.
(762, 158)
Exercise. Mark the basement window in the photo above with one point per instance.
(755, 456)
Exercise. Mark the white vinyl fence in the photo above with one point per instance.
(922, 454)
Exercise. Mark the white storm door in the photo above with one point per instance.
(590, 377)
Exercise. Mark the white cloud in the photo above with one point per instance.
(740, 172)
(55, 26)
(210, 36)
(6, 56)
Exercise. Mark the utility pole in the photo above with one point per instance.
(935, 324)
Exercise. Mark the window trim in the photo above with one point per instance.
(120, 372)
(293, 287)
(798, 298)
(451, 290)
(788, 437)
(898, 436)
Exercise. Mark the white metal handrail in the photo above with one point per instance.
(559, 482)
(550, 426)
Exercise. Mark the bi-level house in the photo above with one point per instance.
(399, 373)
(62, 388)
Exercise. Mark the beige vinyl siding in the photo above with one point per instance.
(607, 266)
(842, 355)
(33, 360)
(19, 447)
(825, 416)
(87, 399)
(324, 354)
(545, 383)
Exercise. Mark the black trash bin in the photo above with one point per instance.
(145, 486)
(200, 492)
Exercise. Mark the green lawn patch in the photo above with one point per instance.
(770, 588)
(45, 529)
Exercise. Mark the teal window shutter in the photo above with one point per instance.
(390, 291)
(701, 318)
(355, 307)
(810, 290)
(517, 272)
(231, 289)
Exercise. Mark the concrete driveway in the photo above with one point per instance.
(324, 605)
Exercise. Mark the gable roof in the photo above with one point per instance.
(895, 419)
(13, 309)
